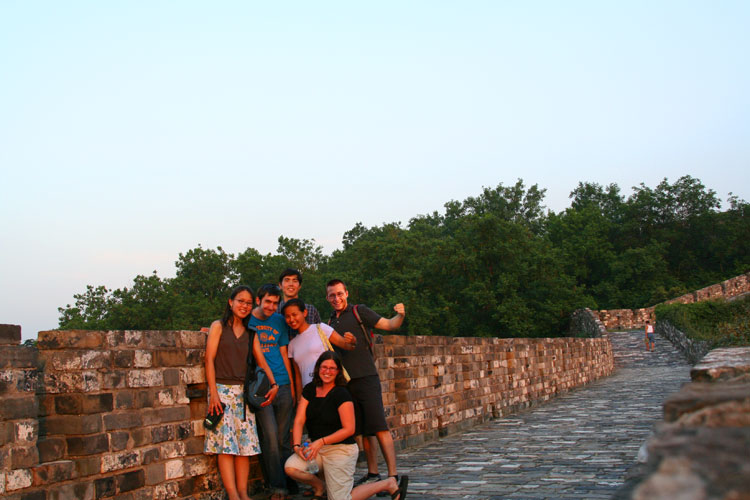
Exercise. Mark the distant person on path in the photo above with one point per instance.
(327, 409)
(275, 420)
(235, 437)
(365, 384)
(306, 347)
(649, 336)
(290, 282)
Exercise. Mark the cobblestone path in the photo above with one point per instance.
(578, 445)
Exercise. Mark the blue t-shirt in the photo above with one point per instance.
(273, 333)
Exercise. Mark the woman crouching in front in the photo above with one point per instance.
(328, 410)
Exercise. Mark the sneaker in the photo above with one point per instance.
(367, 478)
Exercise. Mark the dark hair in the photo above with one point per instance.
(291, 272)
(268, 289)
(335, 281)
(340, 379)
(294, 302)
(228, 315)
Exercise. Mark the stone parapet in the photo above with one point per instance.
(693, 350)
(586, 323)
(629, 319)
(92, 414)
(701, 449)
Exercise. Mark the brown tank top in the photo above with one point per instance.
(231, 357)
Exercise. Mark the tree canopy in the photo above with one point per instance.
(497, 264)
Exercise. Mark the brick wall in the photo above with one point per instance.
(636, 318)
(91, 414)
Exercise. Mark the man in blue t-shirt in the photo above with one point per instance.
(274, 421)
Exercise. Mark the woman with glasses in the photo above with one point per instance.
(327, 409)
(234, 438)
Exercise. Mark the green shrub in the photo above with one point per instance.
(720, 322)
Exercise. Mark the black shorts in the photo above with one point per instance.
(368, 404)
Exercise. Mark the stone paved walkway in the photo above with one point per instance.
(577, 446)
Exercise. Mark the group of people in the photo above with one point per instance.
(326, 370)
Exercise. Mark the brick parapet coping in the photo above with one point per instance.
(92, 414)
(628, 319)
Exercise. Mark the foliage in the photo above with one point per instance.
(495, 264)
(720, 322)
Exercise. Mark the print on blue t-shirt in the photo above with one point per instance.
(273, 333)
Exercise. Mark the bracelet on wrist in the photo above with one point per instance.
(274, 385)
(296, 446)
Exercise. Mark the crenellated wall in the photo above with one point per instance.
(92, 414)
(636, 318)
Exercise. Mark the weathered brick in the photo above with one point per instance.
(145, 378)
(194, 357)
(97, 403)
(162, 433)
(172, 376)
(160, 338)
(28, 380)
(150, 455)
(87, 445)
(155, 474)
(71, 382)
(118, 440)
(18, 479)
(50, 449)
(23, 456)
(125, 400)
(194, 445)
(173, 414)
(69, 424)
(71, 339)
(190, 339)
(183, 430)
(146, 398)
(17, 408)
(170, 357)
(130, 480)
(7, 433)
(79, 491)
(143, 359)
(123, 359)
(175, 469)
(10, 334)
(88, 466)
(120, 460)
(26, 431)
(70, 359)
(105, 487)
(124, 338)
(141, 436)
(122, 420)
(68, 404)
(53, 472)
(172, 449)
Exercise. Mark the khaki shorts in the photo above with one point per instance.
(338, 463)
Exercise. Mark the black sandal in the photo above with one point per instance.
(403, 484)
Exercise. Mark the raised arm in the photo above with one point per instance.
(395, 322)
(347, 342)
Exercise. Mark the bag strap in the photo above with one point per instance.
(327, 344)
(368, 335)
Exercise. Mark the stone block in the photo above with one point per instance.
(123, 359)
(122, 420)
(97, 403)
(150, 455)
(155, 474)
(118, 440)
(120, 460)
(162, 433)
(124, 338)
(88, 466)
(26, 431)
(53, 472)
(143, 359)
(173, 414)
(77, 491)
(189, 339)
(710, 405)
(160, 338)
(722, 364)
(69, 360)
(172, 449)
(71, 382)
(175, 469)
(69, 425)
(15, 408)
(18, 479)
(51, 449)
(23, 457)
(68, 404)
(171, 376)
(69, 339)
(10, 334)
(87, 445)
(129, 481)
(193, 375)
(124, 400)
(170, 357)
(105, 487)
(145, 378)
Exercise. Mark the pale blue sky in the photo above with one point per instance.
(132, 131)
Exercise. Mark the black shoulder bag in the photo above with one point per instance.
(256, 383)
